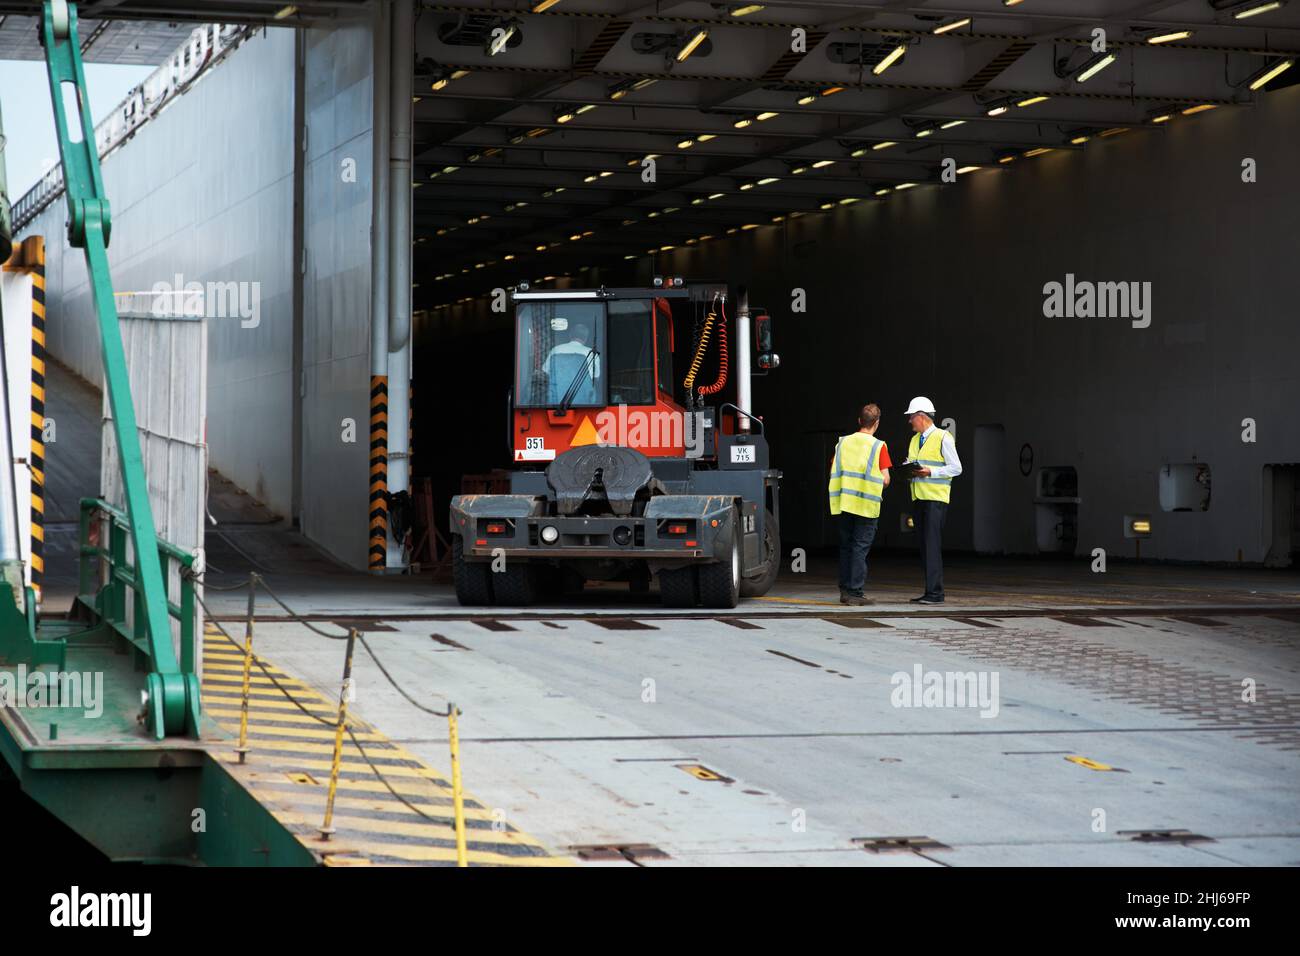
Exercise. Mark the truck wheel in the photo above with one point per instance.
(761, 581)
(679, 588)
(473, 578)
(720, 581)
(516, 586)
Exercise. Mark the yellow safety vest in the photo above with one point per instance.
(856, 479)
(931, 455)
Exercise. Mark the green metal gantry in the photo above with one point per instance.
(171, 693)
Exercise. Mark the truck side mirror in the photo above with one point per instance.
(763, 332)
(767, 359)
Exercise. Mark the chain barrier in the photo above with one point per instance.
(340, 723)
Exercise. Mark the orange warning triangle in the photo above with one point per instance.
(586, 433)
(519, 455)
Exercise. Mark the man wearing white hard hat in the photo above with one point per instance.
(935, 453)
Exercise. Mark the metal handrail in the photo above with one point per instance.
(203, 48)
(736, 408)
(106, 593)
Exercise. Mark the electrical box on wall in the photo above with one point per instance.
(1056, 510)
(1185, 487)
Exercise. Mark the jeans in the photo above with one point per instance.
(928, 517)
(856, 535)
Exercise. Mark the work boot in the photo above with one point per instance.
(857, 600)
(844, 596)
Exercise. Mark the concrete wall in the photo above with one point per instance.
(205, 192)
(940, 291)
(336, 290)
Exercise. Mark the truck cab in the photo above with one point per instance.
(587, 362)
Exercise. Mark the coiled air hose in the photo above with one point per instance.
(689, 382)
(723, 358)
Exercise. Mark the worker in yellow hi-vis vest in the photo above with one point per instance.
(935, 452)
(859, 477)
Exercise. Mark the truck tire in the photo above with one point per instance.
(679, 588)
(720, 581)
(761, 581)
(517, 585)
(473, 579)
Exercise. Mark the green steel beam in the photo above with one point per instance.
(172, 696)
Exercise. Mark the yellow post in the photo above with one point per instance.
(457, 797)
(242, 749)
(328, 826)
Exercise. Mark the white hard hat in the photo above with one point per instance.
(921, 404)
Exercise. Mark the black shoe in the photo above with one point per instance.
(929, 600)
(919, 600)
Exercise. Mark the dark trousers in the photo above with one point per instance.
(856, 535)
(929, 516)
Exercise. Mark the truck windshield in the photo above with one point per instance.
(561, 348)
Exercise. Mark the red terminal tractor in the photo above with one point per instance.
(621, 471)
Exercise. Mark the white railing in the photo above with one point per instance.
(179, 304)
(206, 46)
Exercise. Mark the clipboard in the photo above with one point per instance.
(906, 469)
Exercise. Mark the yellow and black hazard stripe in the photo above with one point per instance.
(38, 409)
(391, 807)
(378, 472)
(29, 256)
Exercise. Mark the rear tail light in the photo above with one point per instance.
(677, 529)
(496, 527)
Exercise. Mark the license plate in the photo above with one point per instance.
(534, 450)
(742, 454)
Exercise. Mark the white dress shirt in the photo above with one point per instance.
(949, 447)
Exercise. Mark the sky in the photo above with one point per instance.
(31, 146)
